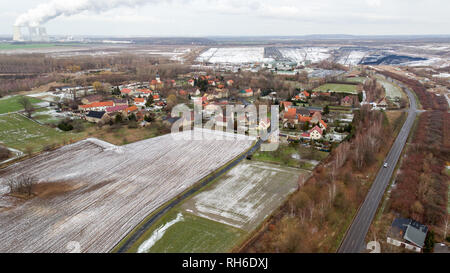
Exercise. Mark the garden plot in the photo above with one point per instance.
(246, 195)
(234, 55)
(312, 54)
(19, 132)
(94, 193)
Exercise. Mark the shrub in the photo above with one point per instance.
(65, 126)
(4, 153)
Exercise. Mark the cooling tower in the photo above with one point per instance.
(33, 34)
(17, 34)
(43, 34)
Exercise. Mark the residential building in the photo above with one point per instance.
(246, 93)
(140, 102)
(95, 116)
(286, 105)
(316, 133)
(131, 109)
(96, 106)
(407, 233)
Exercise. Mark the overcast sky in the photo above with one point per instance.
(242, 17)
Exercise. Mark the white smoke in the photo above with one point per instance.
(55, 8)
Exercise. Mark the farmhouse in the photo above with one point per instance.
(407, 233)
(315, 133)
(96, 106)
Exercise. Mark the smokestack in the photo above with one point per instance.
(17, 34)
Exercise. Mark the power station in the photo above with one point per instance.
(35, 34)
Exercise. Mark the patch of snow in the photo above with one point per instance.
(234, 55)
(158, 234)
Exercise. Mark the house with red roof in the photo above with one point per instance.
(116, 109)
(131, 109)
(140, 102)
(154, 84)
(302, 96)
(144, 92)
(315, 133)
(316, 117)
(286, 105)
(246, 93)
(126, 91)
(290, 114)
(96, 106)
(303, 119)
(347, 101)
(323, 125)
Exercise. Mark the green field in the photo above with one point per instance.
(24, 46)
(356, 79)
(192, 234)
(284, 155)
(11, 104)
(221, 215)
(20, 133)
(338, 88)
(392, 90)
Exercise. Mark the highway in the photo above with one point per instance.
(354, 240)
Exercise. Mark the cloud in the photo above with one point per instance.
(373, 3)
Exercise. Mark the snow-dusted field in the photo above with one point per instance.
(234, 55)
(352, 57)
(94, 193)
(246, 195)
(312, 54)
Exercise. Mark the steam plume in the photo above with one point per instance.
(55, 8)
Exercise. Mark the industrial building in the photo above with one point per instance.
(35, 34)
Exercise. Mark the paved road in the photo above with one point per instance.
(355, 237)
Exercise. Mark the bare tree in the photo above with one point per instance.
(22, 184)
(27, 105)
